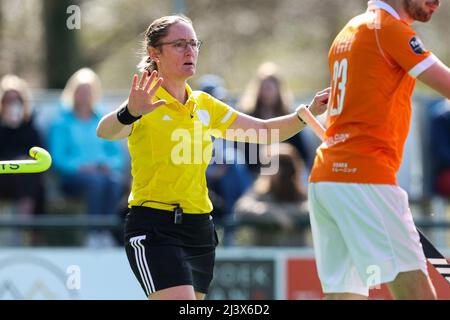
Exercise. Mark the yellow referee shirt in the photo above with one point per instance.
(171, 148)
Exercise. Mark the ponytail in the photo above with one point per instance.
(147, 64)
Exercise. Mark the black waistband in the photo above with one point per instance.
(166, 215)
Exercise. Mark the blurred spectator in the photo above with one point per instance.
(275, 205)
(228, 178)
(23, 194)
(213, 85)
(227, 175)
(440, 139)
(17, 135)
(266, 97)
(87, 166)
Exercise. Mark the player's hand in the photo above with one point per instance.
(140, 101)
(319, 104)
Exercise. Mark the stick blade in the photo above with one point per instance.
(437, 259)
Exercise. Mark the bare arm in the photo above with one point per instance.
(110, 128)
(140, 102)
(249, 129)
(437, 77)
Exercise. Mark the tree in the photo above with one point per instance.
(62, 56)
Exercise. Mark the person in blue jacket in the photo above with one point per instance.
(87, 166)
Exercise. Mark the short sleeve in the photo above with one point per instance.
(223, 117)
(403, 45)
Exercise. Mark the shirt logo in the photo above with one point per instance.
(166, 118)
(417, 45)
(204, 117)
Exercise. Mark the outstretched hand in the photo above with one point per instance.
(140, 101)
(319, 103)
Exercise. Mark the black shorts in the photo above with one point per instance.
(163, 254)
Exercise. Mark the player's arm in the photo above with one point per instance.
(437, 77)
(110, 128)
(246, 128)
(284, 127)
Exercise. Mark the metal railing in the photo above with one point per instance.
(59, 221)
(116, 222)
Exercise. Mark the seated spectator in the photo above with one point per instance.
(21, 194)
(276, 205)
(440, 138)
(267, 97)
(87, 166)
(17, 135)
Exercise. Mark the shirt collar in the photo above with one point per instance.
(378, 4)
(190, 106)
(162, 94)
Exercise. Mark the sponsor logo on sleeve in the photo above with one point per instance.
(417, 45)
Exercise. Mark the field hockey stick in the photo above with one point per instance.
(437, 259)
(42, 162)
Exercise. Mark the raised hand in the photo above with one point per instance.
(140, 101)
(319, 103)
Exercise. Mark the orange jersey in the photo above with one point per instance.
(374, 62)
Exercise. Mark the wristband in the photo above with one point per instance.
(125, 117)
(300, 118)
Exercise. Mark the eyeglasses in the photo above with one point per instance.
(181, 45)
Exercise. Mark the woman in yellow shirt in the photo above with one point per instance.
(169, 233)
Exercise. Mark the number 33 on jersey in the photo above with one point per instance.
(374, 63)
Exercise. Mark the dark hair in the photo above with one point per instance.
(252, 103)
(285, 185)
(279, 106)
(158, 29)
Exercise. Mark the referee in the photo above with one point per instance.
(169, 233)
